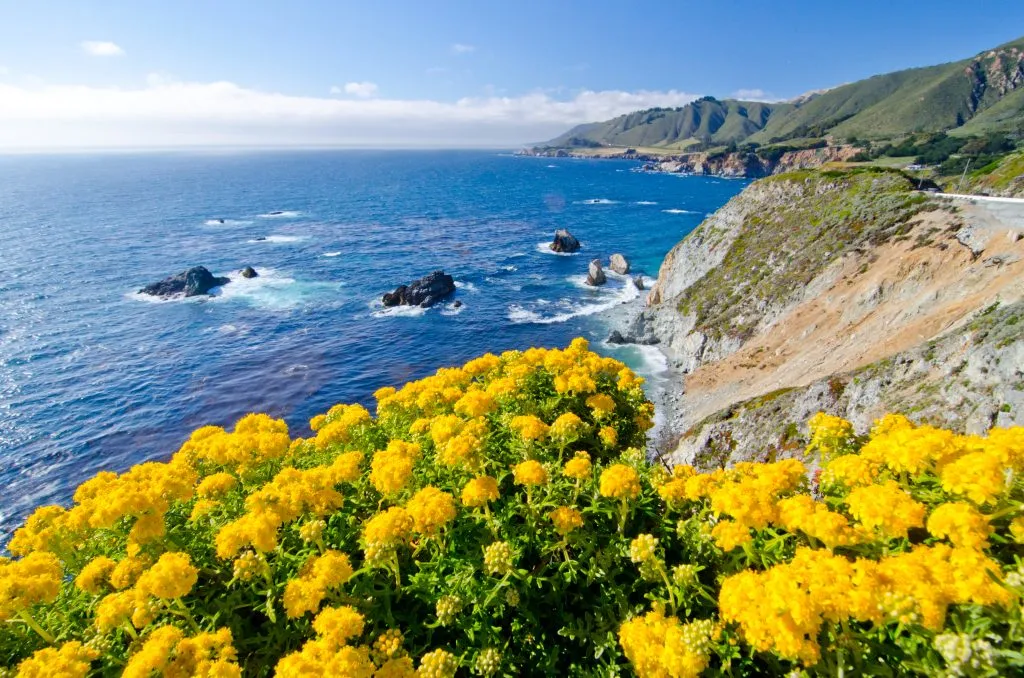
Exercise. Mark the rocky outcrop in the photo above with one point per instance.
(194, 282)
(595, 274)
(249, 272)
(426, 291)
(638, 282)
(618, 263)
(564, 242)
(807, 277)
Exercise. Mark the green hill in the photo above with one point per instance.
(706, 119)
(974, 96)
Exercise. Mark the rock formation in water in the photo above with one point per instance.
(595, 274)
(564, 242)
(618, 263)
(193, 282)
(426, 291)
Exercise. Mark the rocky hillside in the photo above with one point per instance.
(1004, 178)
(810, 281)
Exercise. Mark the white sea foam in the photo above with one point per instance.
(331, 254)
(468, 286)
(399, 311)
(552, 166)
(452, 309)
(596, 201)
(227, 222)
(281, 214)
(544, 248)
(678, 211)
(608, 298)
(645, 202)
(280, 239)
(516, 254)
(510, 268)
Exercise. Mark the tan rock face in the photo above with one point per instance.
(618, 263)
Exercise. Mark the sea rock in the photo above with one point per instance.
(595, 274)
(249, 272)
(638, 282)
(193, 282)
(618, 263)
(259, 238)
(564, 242)
(426, 291)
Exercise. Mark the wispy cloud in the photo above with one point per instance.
(172, 113)
(363, 90)
(102, 48)
(462, 48)
(754, 94)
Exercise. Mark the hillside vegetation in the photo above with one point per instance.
(975, 96)
(494, 520)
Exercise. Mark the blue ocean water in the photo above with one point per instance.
(92, 376)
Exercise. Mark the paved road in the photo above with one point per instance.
(982, 198)
(989, 212)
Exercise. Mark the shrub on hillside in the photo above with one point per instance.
(500, 519)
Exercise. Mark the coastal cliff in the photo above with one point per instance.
(848, 292)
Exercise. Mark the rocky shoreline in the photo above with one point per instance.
(737, 165)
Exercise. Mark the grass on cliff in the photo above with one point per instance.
(785, 243)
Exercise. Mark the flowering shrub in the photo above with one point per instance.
(500, 519)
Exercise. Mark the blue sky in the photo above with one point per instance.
(411, 72)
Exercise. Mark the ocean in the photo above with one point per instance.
(94, 376)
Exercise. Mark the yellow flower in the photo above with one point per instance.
(431, 509)
(475, 403)
(341, 423)
(391, 469)
(479, 491)
(529, 473)
(576, 380)
(979, 476)
(815, 520)
(601, 404)
(317, 422)
(388, 644)
(70, 660)
(567, 428)
(886, 508)
(962, 524)
(660, 647)
(578, 467)
(155, 654)
(729, 534)
(317, 576)
(852, 470)
(619, 481)
(172, 576)
(438, 664)
(498, 558)
(529, 427)
(829, 435)
(216, 485)
(1017, 529)
(346, 468)
(391, 527)
(338, 625)
(482, 365)
(444, 428)
(566, 519)
(608, 435)
(202, 507)
(41, 529)
(33, 579)
(643, 548)
(94, 575)
(398, 667)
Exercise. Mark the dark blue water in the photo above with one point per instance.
(93, 377)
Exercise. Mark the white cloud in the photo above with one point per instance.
(335, 90)
(363, 90)
(167, 113)
(754, 95)
(102, 48)
(462, 48)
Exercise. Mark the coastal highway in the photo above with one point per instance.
(988, 211)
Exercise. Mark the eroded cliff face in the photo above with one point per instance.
(807, 277)
(750, 165)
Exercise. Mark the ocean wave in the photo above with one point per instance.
(678, 211)
(645, 202)
(452, 309)
(399, 311)
(281, 214)
(544, 248)
(227, 222)
(280, 239)
(331, 254)
(610, 298)
(510, 268)
(552, 166)
(468, 286)
(596, 201)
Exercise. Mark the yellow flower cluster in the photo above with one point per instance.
(431, 509)
(567, 428)
(529, 427)
(318, 576)
(619, 481)
(479, 491)
(340, 424)
(661, 647)
(33, 579)
(172, 576)
(579, 467)
(829, 434)
(255, 439)
(566, 519)
(167, 652)
(391, 469)
(530, 472)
